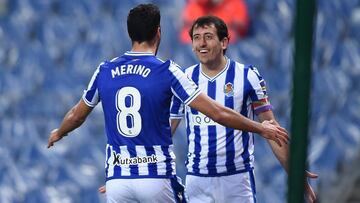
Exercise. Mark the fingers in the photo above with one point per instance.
(283, 136)
(311, 175)
(54, 137)
(277, 140)
(102, 189)
(50, 144)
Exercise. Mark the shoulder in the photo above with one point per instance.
(189, 70)
(248, 68)
(108, 63)
(173, 66)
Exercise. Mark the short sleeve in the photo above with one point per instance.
(91, 94)
(259, 99)
(176, 108)
(182, 86)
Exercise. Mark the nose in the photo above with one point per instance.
(202, 41)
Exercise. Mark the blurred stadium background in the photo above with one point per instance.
(50, 48)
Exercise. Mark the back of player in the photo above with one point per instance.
(136, 90)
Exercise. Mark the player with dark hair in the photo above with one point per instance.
(135, 90)
(220, 159)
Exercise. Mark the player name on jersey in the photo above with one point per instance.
(130, 69)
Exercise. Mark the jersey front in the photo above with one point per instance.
(135, 91)
(215, 150)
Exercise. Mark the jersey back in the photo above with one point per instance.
(135, 91)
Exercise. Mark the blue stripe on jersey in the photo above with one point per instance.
(117, 169)
(197, 149)
(211, 165)
(245, 135)
(175, 106)
(195, 78)
(166, 152)
(187, 133)
(134, 169)
(152, 166)
(229, 102)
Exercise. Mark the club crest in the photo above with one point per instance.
(229, 89)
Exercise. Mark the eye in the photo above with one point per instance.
(208, 37)
(196, 37)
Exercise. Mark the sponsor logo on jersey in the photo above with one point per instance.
(229, 89)
(201, 119)
(121, 161)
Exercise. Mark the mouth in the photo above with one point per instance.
(203, 51)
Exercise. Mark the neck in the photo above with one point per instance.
(144, 47)
(214, 67)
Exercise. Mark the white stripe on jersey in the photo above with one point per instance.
(125, 169)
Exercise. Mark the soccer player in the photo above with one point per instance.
(220, 159)
(135, 90)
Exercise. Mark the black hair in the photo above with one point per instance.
(143, 22)
(221, 28)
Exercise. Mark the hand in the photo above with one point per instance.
(54, 137)
(309, 192)
(274, 132)
(102, 189)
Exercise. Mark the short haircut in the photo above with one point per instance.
(143, 22)
(221, 28)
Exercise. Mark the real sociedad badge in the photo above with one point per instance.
(229, 89)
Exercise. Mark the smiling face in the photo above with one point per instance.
(207, 46)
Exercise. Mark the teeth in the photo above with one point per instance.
(203, 51)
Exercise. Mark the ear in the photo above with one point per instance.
(158, 31)
(225, 43)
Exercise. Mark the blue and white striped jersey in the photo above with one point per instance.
(135, 91)
(215, 150)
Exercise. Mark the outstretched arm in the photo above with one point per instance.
(72, 120)
(282, 154)
(230, 118)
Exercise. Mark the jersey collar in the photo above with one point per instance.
(133, 53)
(211, 79)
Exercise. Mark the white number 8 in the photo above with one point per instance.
(131, 112)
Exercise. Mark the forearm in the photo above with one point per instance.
(225, 116)
(280, 152)
(74, 118)
(70, 122)
(230, 118)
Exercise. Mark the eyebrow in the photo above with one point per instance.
(206, 33)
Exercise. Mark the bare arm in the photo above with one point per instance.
(72, 120)
(282, 154)
(232, 119)
(174, 123)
